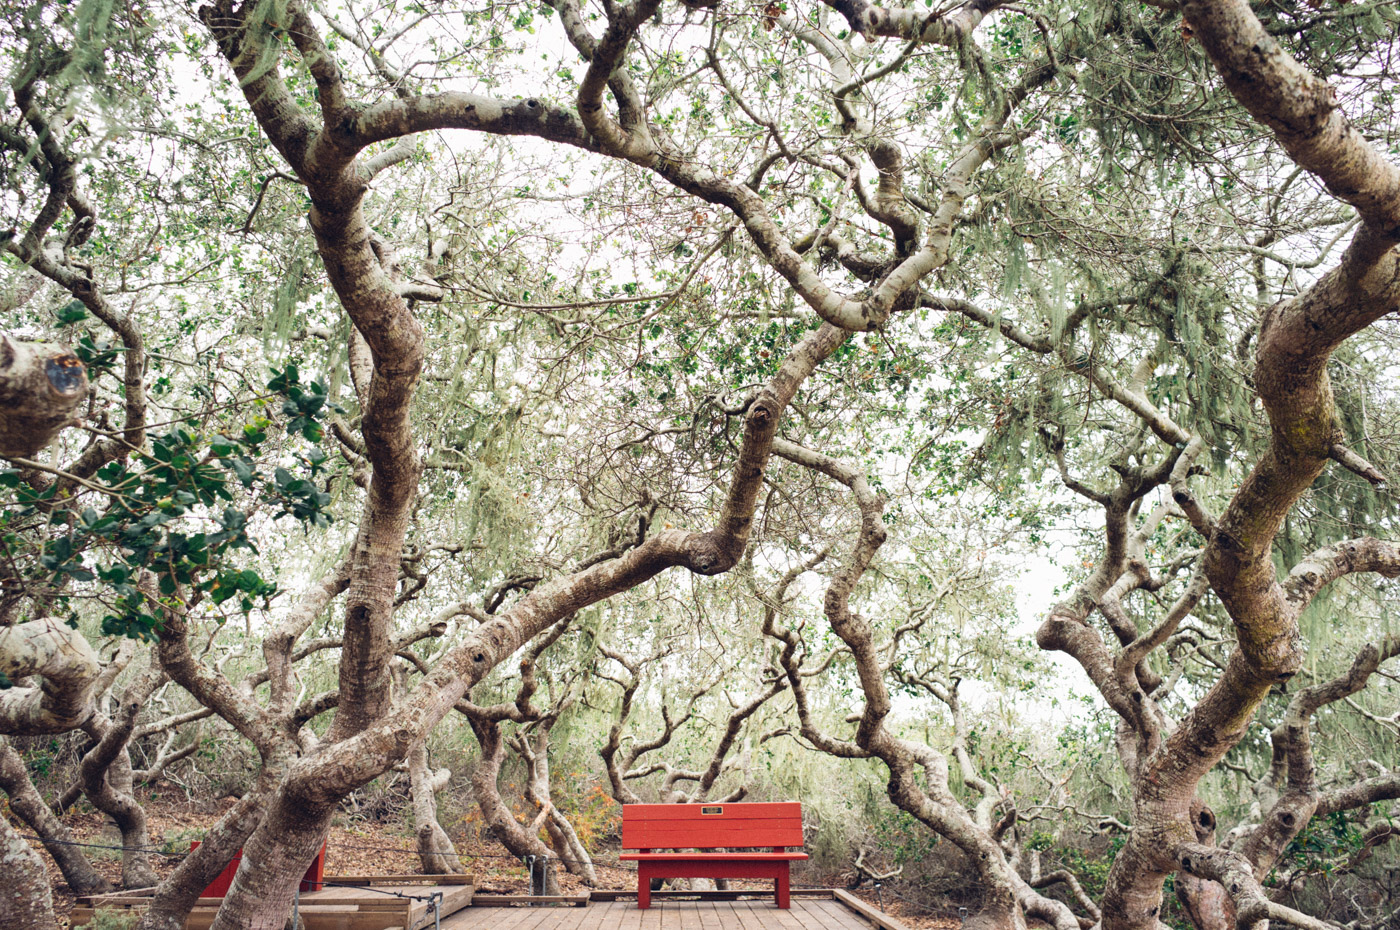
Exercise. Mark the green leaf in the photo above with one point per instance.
(71, 312)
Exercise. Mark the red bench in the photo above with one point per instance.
(764, 831)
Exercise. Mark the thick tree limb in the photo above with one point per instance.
(1321, 568)
(931, 29)
(1233, 871)
(69, 667)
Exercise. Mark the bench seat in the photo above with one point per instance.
(760, 834)
(704, 856)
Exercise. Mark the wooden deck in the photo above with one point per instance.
(808, 912)
(363, 908)
(350, 903)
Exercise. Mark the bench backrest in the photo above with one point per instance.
(707, 826)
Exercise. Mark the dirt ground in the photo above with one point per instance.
(379, 848)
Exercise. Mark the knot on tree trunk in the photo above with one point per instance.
(40, 386)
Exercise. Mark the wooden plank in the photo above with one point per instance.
(336, 917)
(840, 917)
(823, 915)
(454, 899)
(695, 823)
(138, 893)
(714, 857)
(495, 919)
(618, 894)
(510, 900)
(364, 904)
(329, 908)
(590, 918)
(729, 915)
(516, 918)
(378, 911)
(538, 918)
(778, 918)
(744, 915)
(634, 918)
(213, 904)
(686, 825)
(721, 917)
(741, 810)
(408, 879)
(308, 898)
(415, 904)
(711, 836)
(690, 917)
(878, 918)
(765, 831)
(816, 915)
(409, 902)
(748, 918)
(708, 916)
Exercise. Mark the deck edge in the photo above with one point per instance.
(877, 917)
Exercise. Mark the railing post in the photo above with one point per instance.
(540, 872)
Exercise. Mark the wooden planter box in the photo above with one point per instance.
(330, 908)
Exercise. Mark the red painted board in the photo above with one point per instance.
(702, 869)
(714, 857)
(707, 826)
(684, 836)
(742, 810)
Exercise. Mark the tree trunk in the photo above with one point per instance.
(520, 842)
(275, 856)
(176, 896)
(107, 782)
(40, 386)
(368, 736)
(933, 802)
(25, 801)
(435, 849)
(562, 836)
(117, 800)
(26, 902)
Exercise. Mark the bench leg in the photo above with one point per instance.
(643, 886)
(781, 888)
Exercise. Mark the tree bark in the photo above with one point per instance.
(106, 776)
(176, 896)
(1205, 901)
(365, 740)
(56, 837)
(69, 667)
(533, 747)
(435, 850)
(521, 842)
(41, 384)
(26, 901)
(1005, 897)
(1296, 339)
